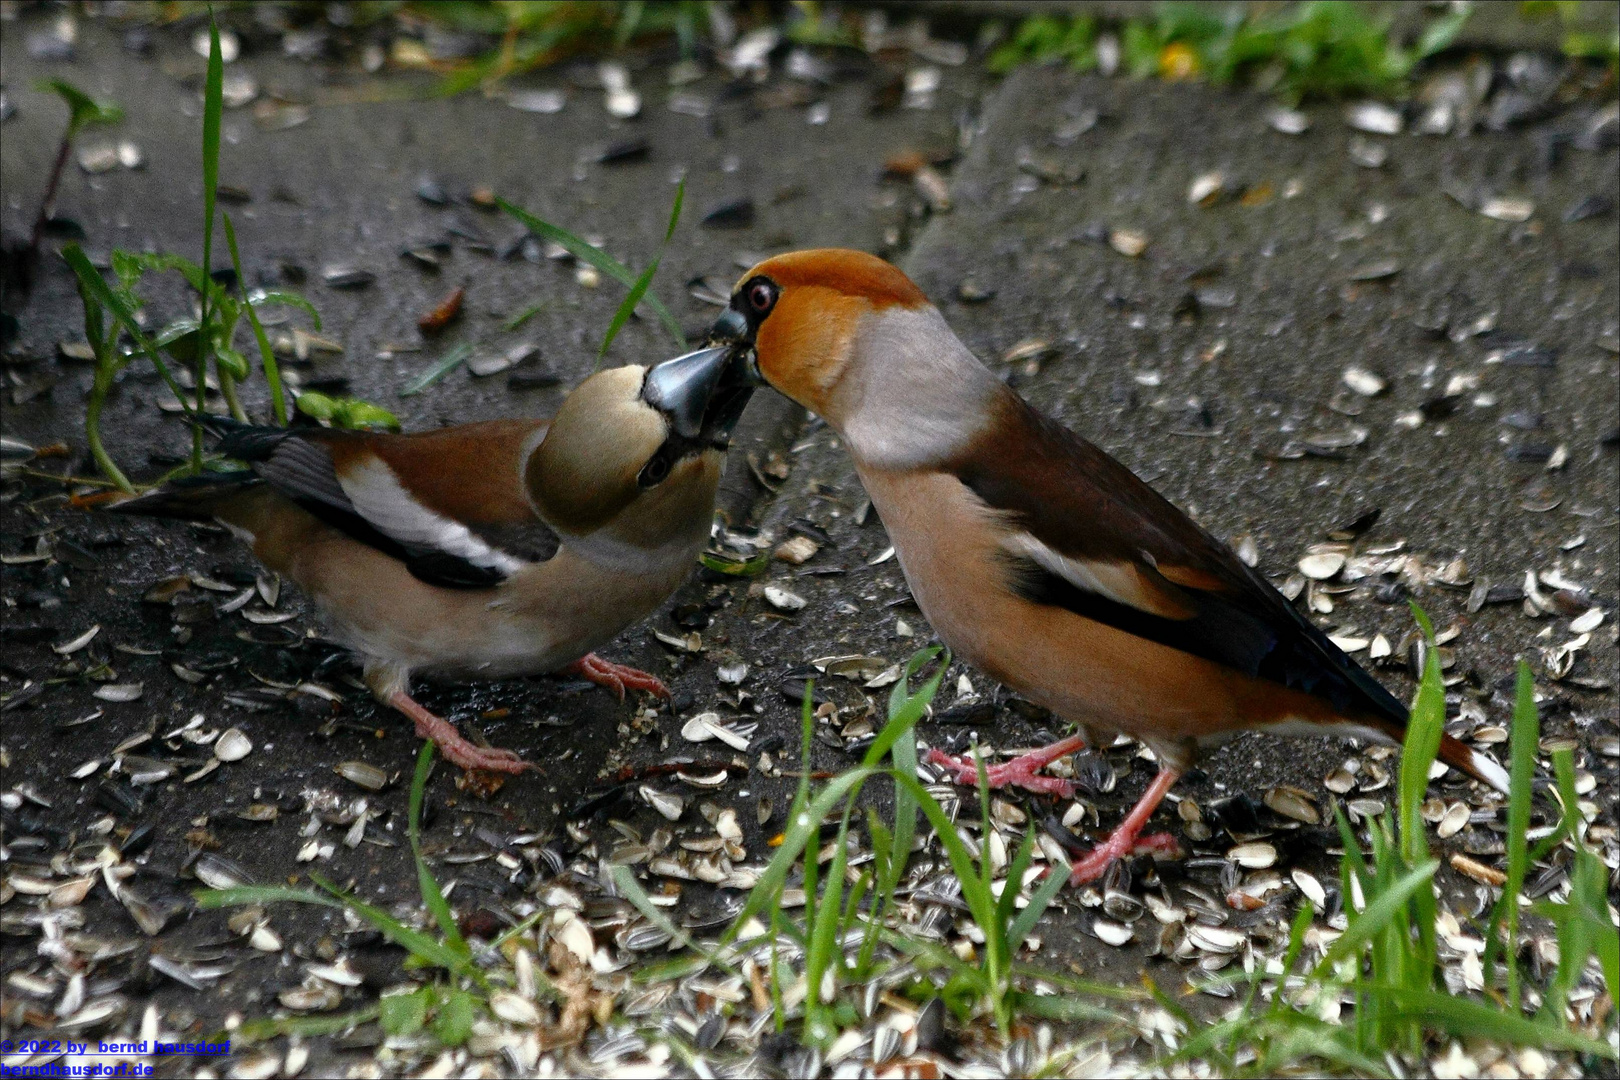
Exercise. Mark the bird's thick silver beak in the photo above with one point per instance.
(682, 388)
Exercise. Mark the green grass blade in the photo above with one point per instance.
(598, 258)
(825, 948)
(213, 105)
(267, 356)
(1382, 909)
(981, 904)
(1060, 1007)
(800, 826)
(257, 1031)
(447, 363)
(432, 896)
(1422, 744)
(422, 946)
(639, 289)
(83, 110)
(1015, 876)
(624, 879)
(1466, 1018)
(1042, 899)
(213, 899)
(1521, 770)
(90, 280)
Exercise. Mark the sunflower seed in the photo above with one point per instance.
(311, 998)
(218, 872)
(1128, 242)
(1364, 382)
(1255, 856)
(1288, 121)
(1206, 189)
(1293, 803)
(783, 600)
(514, 1009)
(232, 745)
(1585, 624)
(1322, 567)
(1111, 933)
(363, 774)
(75, 644)
(1374, 118)
(1452, 822)
(1311, 887)
(667, 803)
(1506, 209)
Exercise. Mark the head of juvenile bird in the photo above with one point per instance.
(851, 338)
(633, 455)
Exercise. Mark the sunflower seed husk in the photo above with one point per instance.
(232, 745)
(1112, 933)
(782, 599)
(362, 773)
(73, 645)
(1374, 118)
(118, 691)
(1293, 803)
(1254, 856)
(1322, 567)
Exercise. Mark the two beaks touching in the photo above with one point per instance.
(510, 548)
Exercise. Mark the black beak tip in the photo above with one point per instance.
(682, 388)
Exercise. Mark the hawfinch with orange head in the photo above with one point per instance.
(1038, 558)
(487, 550)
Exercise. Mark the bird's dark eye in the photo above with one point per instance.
(655, 472)
(761, 296)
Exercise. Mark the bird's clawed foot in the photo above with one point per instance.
(1022, 771)
(1117, 846)
(1128, 838)
(453, 745)
(616, 677)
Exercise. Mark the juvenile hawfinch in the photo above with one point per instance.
(1037, 557)
(486, 550)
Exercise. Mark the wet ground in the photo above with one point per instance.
(1212, 362)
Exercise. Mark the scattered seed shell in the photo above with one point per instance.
(782, 599)
(1253, 856)
(362, 773)
(232, 745)
(1322, 567)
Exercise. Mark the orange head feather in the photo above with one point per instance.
(803, 308)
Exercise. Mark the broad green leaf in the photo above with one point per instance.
(83, 110)
(453, 1021)
(262, 297)
(404, 1014)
